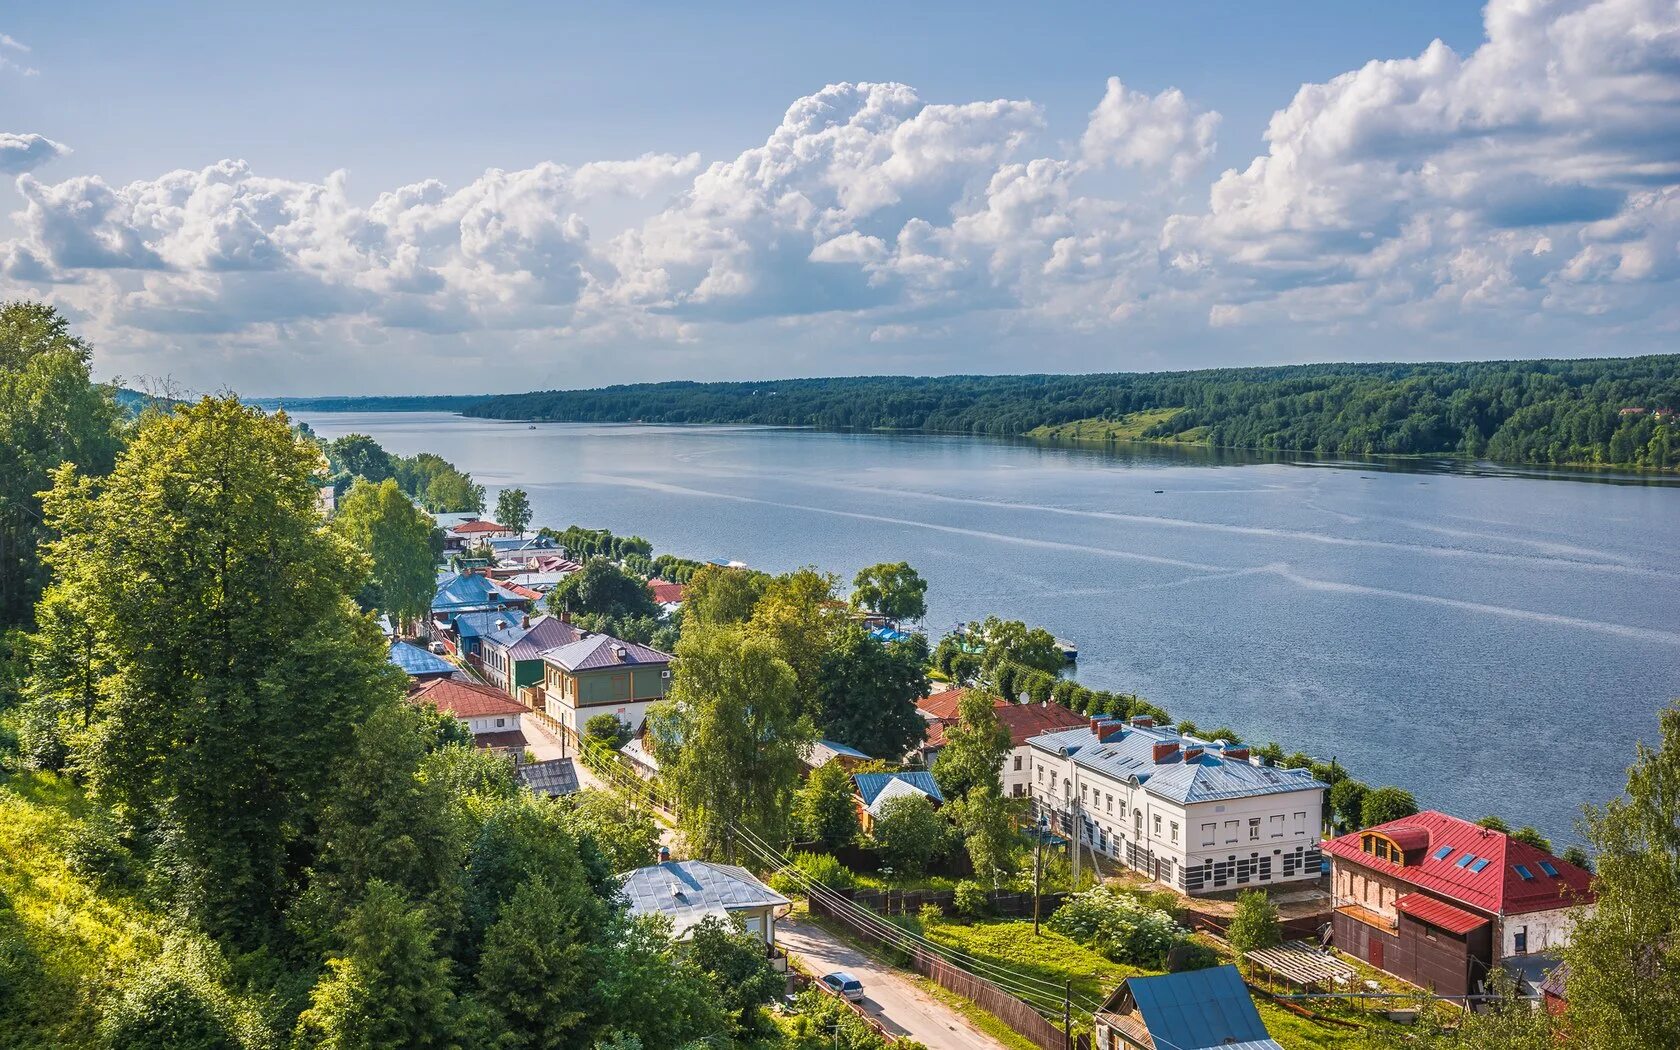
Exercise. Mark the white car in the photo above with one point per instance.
(438, 648)
(844, 985)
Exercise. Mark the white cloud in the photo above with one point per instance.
(1163, 131)
(9, 62)
(21, 153)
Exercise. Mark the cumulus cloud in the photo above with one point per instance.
(21, 153)
(1488, 195)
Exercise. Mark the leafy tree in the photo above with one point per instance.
(975, 746)
(1347, 802)
(799, 615)
(603, 590)
(179, 1001)
(1385, 804)
(1254, 923)
(648, 992)
(984, 819)
(1506, 1021)
(362, 457)
(206, 605)
(1578, 857)
(51, 412)
(734, 962)
(453, 492)
(730, 737)
(909, 833)
(387, 988)
(536, 969)
(522, 839)
(401, 541)
(624, 833)
(824, 809)
(1624, 954)
(867, 691)
(1533, 837)
(513, 509)
(891, 589)
(606, 730)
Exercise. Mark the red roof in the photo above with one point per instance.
(1436, 846)
(523, 591)
(467, 528)
(1022, 721)
(943, 705)
(664, 591)
(466, 699)
(1438, 913)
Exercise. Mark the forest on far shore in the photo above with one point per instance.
(1605, 412)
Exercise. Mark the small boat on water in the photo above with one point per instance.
(1070, 652)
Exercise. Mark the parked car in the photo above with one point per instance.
(438, 649)
(844, 985)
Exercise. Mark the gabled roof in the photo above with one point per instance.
(463, 592)
(943, 705)
(603, 650)
(1476, 866)
(486, 623)
(1438, 913)
(1209, 776)
(465, 699)
(529, 642)
(871, 787)
(690, 891)
(553, 778)
(418, 663)
(477, 527)
(1194, 1009)
(1023, 722)
(826, 751)
(532, 545)
(665, 592)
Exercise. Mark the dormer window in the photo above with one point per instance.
(1383, 848)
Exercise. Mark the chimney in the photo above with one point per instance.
(1143, 722)
(1096, 725)
(1192, 753)
(565, 615)
(1237, 754)
(1113, 730)
(664, 854)
(525, 621)
(1164, 750)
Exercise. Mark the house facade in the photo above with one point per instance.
(1440, 901)
(872, 791)
(465, 593)
(1197, 815)
(599, 674)
(512, 657)
(493, 719)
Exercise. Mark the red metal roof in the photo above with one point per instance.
(664, 591)
(466, 699)
(469, 527)
(1438, 913)
(1497, 889)
(1021, 720)
(943, 705)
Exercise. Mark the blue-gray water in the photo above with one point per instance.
(1494, 643)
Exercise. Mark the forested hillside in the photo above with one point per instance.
(1617, 411)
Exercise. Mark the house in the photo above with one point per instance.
(523, 552)
(825, 751)
(540, 582)
(1439, 901)
(1197, 815)
(1192, 1010)
(511, 656)
(492, 717)
(690, 891)
(635, 751)
(1022, 722)
(420, 665)
(461, 593)
(557, 564)
(600, 674)
(475, 532)
(871, 791)
(941, 706)
(668, 596)
(553, 778)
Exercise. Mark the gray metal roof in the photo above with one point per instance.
(1210, 777)
(689, 891)
(554, 777)
(599, 650)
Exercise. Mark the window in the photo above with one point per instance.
(1253, 829)
(1546, 866)
(1478, 865)
(1210, 832)
(1464, 861)
(500, 722)
(1519, 940)
(1277, 826)
(1082, 791)
(1175, 832)
(1157, 825)
(1301, 823)
(1441, 854)
(1230, 831)
(1137, 822)
(1527, 876)
(1017, 763)
(1108, 803)
(1041, 776)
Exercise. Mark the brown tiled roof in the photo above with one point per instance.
(942, 704)
(465, 699)
(512, 740)
(664, 591)
(1023, 721)
(467, 528)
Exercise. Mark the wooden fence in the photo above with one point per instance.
(1019, 1015)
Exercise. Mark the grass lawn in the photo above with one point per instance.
(1129, 427)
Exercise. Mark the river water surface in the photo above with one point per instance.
(1495, 642)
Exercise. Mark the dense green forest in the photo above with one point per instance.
(401, 403)
(1609, 411)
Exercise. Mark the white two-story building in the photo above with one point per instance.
(1198, 815)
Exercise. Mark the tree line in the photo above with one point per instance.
(1563, 412)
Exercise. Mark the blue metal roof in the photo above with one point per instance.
(870, 785)
(417, 661)
(1210, 777)
(1198, 1008)
(459, 592)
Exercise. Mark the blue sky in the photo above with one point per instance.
(296, 200)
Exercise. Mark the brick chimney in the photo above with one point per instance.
(1111, 731)
(1237, 754)
(1096, 725)
(1192, 753)
(1143, 722)
(1164, 750)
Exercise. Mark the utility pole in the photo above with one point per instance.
(1067, 1015)
(1038, 853)
(1076, 835)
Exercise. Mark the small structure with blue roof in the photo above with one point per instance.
(825, 751)
(1193, 1010)
(875, 790)
(418, 664)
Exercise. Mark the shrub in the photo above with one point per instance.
(972, 900)
(1190, 954)
(814, 867)
(1254, 924)
(1119, 926)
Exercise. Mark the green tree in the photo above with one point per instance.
(453, 492)
(867, 692)
(735, 963)
(984, 819)
(1254, 923)
(891, 589)
(648, 992)
(1347, 802)
(720, 595)
(362, 457)
(1533, 837)
(824, 809)
(179, 1001)
(388, 987)
(536, 970)
(602, 590)
(522, 839)
(1624, 953)
(513, 509)
(730, 738)
(1012, 644)
(209, 609)
(799, 614)
(975, 746)
(606, 730)
(51, 413)
(624, 833)
(1384, 804)
(401, 541)
(1577, 856)
(909, 833)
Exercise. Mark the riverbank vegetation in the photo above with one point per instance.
(1613, 411)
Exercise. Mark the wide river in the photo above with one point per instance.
(1493, 641)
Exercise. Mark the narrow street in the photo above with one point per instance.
(900, 1006)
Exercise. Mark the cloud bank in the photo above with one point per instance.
(1525, 195)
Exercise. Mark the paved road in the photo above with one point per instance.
(899, 1005)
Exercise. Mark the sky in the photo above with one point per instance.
(426, 198)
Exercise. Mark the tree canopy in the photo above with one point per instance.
(891, 589)
(867, 691)
(403, 545)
